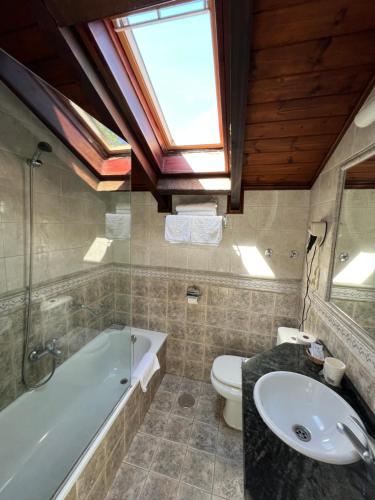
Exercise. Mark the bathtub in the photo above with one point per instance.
(47, 431)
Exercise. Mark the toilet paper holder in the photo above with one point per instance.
(193, 293)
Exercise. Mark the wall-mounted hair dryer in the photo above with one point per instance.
(317, 234)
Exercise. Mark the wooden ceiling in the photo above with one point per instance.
(311, 64)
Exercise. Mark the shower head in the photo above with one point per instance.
(42, 147)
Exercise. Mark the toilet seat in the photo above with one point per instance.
(227, 370)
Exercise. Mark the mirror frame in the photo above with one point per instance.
(357, 331)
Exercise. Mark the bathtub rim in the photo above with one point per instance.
(157, 341)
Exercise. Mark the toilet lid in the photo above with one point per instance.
(227, 369)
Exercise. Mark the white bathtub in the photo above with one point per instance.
(45, 431)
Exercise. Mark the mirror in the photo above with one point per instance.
(353, 278)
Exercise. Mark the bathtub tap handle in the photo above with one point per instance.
(53, 349)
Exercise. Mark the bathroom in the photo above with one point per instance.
(179, 254)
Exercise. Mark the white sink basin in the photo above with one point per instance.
(286, 400)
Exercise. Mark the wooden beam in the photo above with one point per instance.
(198, 185)
(234, 24)
(69, 12)
(45, 102)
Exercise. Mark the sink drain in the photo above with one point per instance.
(302, 433)
(186, 400)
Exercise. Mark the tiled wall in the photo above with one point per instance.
(343, 341)
(235, 319)
(97, 476)
(271, 219)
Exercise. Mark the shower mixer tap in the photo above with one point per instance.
(41, 351)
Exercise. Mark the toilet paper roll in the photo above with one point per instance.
(192, 300)
(305, 338)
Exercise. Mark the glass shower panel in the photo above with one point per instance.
(65, 351)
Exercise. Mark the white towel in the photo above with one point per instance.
(148, 365)
(178, 228)
(203, 212)
(206, 230)
(197, 207)
(117, 226)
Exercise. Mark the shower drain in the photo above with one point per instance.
(124, 381)
(302, 433)
(186, 400)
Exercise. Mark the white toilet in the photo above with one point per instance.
(226, 377)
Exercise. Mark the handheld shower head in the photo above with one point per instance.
(42, 147)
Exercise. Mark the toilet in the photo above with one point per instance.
(226, 377)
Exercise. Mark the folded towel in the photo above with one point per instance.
(148, 365)
(206, 230)
(197, 207)
(117, 226)
(202, 212)
(178, 228)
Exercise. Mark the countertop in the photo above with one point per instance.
(273, 470)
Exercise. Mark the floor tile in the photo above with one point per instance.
(208, 411)
(188, 492)
(142, 450)
(171, 383)
(163, 401)
(128, 483)
(229, 444)
(191, 386)
(198, 469)
(203, 437)
(228, 479)
(169, 458)
(158, 488)
(155, 423)
(207, 389)
(178, 429)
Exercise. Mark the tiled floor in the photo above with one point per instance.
(184, 454)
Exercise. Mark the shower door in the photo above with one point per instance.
(65, 355)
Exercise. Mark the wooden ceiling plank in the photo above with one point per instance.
(310, 21)
(307, 143)
(264, 5)
(288, 158)
(299, 128)
(294, 109)
(323, 54)
(69, 12)
(317, 83)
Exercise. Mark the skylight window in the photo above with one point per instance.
(111, 141)
(173, 56)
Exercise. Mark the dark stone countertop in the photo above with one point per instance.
(273, 470)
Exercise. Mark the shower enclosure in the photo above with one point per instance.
(62, 247)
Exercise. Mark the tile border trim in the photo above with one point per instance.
(219, 279)
(347, 331)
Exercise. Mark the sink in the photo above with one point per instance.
(303, 413)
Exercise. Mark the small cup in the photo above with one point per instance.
(333, 371)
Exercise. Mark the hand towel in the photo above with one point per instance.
(178, 228)
(206, 230)
(117, 226)
(197, 207)
(148, 365)
(202, 212)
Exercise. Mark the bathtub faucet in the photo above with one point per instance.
(40, 351)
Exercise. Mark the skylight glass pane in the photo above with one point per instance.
(179, 64)
(142, 17)
(182, 8)
(111, 140)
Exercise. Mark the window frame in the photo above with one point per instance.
(147, 91)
